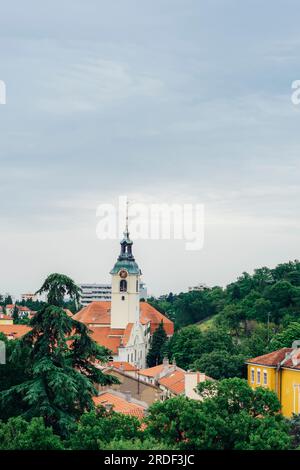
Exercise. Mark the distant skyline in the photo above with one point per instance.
(170, 101)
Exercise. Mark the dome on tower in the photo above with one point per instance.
(126, 259)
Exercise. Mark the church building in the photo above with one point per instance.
(125, 325)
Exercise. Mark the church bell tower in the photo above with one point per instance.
(125, 296)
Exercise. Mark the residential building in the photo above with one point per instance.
(121, 403)
(5, 319)
(94, 293)
(9, 309)
(172, 380)
(279, 371)
(14, 331)
(129, 381)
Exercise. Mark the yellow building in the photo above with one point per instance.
(279, 371)
(5, 320)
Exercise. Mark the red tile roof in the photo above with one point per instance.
(153, 371)
(107, 337)
(149, 313)
(5, 317)
(14, 331)
(271, 359)
(99, 313)
(120, 405)
(95, 312)
(125, 366)
(68, 312)
(127, 333)
(174, 382)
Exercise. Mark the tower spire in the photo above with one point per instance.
(126, 233)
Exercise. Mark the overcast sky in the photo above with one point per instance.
(164, 100)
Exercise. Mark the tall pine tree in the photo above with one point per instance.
(156, 352)
(61, 367)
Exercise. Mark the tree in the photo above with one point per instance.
(136, 444)
(15, 315)
(57, 287)
(221, 364)
(230, 416)
(11, 374)
(174, 422)
(156, 352)
(285, 338)
(237, 417)
(61, 368)
(8, 300)
(190, 343)
(99, 427)
(18, 434)
(294, 431)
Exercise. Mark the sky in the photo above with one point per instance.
(184, 101)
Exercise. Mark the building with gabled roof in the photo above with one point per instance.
(14, 331)
(279, 371)
(121, 403)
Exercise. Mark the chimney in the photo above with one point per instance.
(191, 380)
(127, 396)
(108, 407)
(166, 362)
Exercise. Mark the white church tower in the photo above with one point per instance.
(125, 297)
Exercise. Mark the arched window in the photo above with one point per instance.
(123, 285)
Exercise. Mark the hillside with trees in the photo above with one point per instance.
(218, 329)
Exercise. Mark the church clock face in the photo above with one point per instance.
(123, 274)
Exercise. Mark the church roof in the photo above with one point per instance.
(95, 312)
(98, 313)
(130, 265)
(108, 337)
(126, 259)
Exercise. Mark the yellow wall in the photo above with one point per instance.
(6, 322)
(288, 388)
(271, 376)
(290, 392)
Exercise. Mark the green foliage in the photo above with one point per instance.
(175, 422)
(285, 338)
(221, 364)
(294, 431)
(60, 371)
(190, 343)
(267, 293)
(58, 286)
(157, 350)
(136, 444)
(238, 417)
(18, 434)
(98, 428)
(231, 416)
